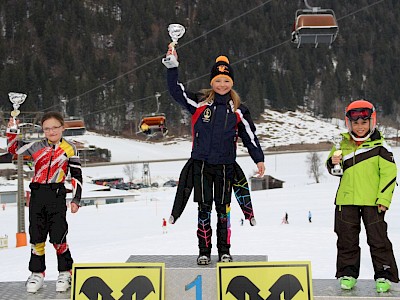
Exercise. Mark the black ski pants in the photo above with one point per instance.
(47, 216)
(213, 184)
(348, 227)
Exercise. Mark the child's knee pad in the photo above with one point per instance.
(38, 249)
(60, 248)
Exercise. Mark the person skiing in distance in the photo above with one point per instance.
(285, 218)
(53, 158)
(365, 192)
(164, 225)
(218, 118)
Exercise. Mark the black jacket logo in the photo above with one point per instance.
(207, 115)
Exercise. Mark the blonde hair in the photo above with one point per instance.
(209, 96)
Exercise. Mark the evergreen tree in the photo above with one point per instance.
(90, 51)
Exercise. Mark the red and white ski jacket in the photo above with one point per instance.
(51, 162)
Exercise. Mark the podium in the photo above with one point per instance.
(182, 273)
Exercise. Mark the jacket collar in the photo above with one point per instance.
(221, 99)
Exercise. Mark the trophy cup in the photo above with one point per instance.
(176, 31)
(16, 99)
(337, 169)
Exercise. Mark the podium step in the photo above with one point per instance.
(16, 290)
(324, 289)
(329, 289)
(182, 270)
(190, 261)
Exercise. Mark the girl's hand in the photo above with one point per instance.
(381, 208)
(11, 123)
(74, 207)
(261, 169)
(336, 159)
(172, 51)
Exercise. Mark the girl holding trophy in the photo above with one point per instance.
(365, 192)
(218, 118)
(53, 157)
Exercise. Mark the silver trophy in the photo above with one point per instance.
(337, 169)
(176, 31)
(16, 99)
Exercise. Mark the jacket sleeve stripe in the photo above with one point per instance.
(386, 152)
(383, 151)
(388, 185)
(247, 127)
(188, 100)
(177, 91)
(25, 149)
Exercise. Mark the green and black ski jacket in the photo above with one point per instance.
(369, 172)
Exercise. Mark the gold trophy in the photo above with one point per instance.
(176, 31)
(337, 169)
(16, 99)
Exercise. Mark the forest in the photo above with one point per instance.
(100, 60)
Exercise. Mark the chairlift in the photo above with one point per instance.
(154, 124)
(74, 126)
(314, 25)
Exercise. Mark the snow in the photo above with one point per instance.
(111, 233)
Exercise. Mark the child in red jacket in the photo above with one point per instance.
(53, 158)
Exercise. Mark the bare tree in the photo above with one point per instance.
(129, 170)
(314, 164)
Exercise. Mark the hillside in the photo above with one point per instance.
(277, 131)
(102, 58)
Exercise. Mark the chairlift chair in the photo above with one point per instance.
(314, 26)
(153, 124)
(74, 126)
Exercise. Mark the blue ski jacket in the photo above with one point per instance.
(216, 126)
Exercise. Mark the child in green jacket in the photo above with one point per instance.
(365, 192)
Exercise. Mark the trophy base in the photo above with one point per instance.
(13, 130)
(15, 113)
(170, 62)
(337, 171)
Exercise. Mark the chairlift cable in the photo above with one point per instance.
(361, 9)
(201, 76)
(161, 56)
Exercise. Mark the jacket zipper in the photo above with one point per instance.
(212, 126)
(51, 158)
(226, 118)
(202, 182)
(223, 189)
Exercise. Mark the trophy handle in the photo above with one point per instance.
(170, 61)
(176, 31)
(337, 169)
(16, 99)
(172, 45)
(14, 128)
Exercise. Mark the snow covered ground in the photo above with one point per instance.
(111, 233)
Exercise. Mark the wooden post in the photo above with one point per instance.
(21, 234)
